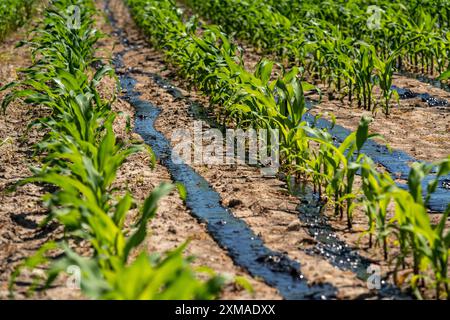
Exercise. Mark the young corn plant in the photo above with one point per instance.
(363, 69)
(377, 190)
(385, 70)
(115, 275)
(340, 165)
(428, 243)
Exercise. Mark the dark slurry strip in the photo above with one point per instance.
(197, 110)
(334, 250)
(425, 97)
(426, 79)
(234, 235)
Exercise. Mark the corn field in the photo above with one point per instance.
(14, 14)
(356, 92)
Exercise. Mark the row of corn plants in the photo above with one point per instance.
(80, 156)
(213, 64)
(422, 25)
(13, 14)
(337, 43)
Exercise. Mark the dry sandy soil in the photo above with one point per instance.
(412, 126)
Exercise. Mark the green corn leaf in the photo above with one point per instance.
(362, 133)
(148, 211)
(122, 207)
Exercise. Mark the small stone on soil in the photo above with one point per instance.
(172, 230)
(294, 226)
(234, 203)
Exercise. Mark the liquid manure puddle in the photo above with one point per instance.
(426, 79)
(425, 97)
(335, 251)
(234, 235)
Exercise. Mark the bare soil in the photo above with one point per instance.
(412, 126)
